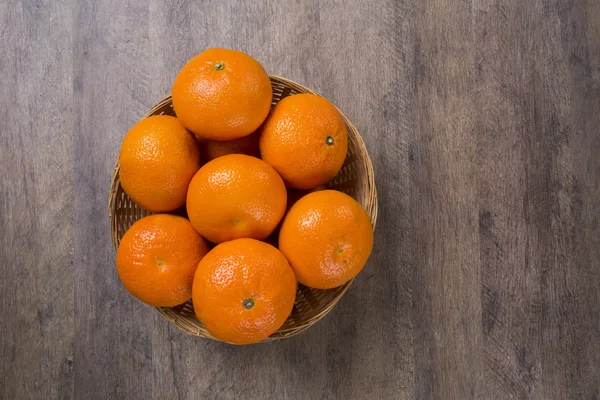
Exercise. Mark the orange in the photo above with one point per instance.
(244, 290)
(212, 149)
(327, 238)
(158, 159)
(236, 196)
(222, 94)
(157, 259)
(293, 195)
(305, 140)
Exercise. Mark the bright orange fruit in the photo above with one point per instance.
(157, 259)
(327, 238)
(212, 149)
(222, 94)
(236, 196)
(305, 140)
(158, 159)
(243, 291)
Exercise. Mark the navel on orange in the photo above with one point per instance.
(158, 159)
(305, 140)
(222, 94)
(327, 238)
(236, 196)
(157, 259)
(243, 291)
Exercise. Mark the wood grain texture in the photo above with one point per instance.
(482, 122)
(538, 188)
(36, 201)
(445, 245)
(111, 91)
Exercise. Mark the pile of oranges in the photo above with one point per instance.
(246, 176)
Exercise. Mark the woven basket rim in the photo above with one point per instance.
(372, 210)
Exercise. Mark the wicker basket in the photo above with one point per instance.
(355, 178)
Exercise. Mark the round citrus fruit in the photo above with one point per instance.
(305, 140)
(157, 259)
(158, 159)
(236, 196)
(293, 195)
(327, 238)
(244, 290)
(211, 149)
(222, 94)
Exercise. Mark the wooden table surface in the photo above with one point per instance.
(483, 122)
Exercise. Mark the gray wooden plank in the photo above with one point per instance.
(113, 349)
(36, 201)
(510, 257)
(443, 198)
(538, 187)
(564, 97)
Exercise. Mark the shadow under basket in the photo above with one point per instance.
(355, 179)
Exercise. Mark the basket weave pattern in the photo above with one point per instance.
(356, 178)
